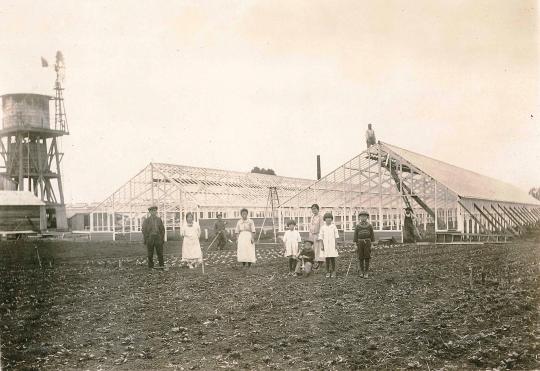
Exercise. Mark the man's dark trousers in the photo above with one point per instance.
(222, 240)
(154, 242)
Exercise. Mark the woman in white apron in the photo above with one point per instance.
(245, 231)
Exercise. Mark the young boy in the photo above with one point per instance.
(363, 236)
(328, 234)
(307, 256)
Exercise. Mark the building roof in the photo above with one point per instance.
(26, 94)
(465, 183)
(19, 198)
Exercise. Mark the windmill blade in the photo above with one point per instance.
(60, 66)
(59, 57)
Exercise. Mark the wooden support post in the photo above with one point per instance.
(152, 182)
(379, 159)
(511, 216)
(59, 175)
(537, 213)
(519, 217)
(436, 201)
(494, 218)
(20, 186)
(400, 186)
(504, 223)
(501, 217)
(165, 223)
(528, 213)
(473, 217)
(41, 162)
(523, 212)
(519, 213)
(360, 182)
(485, 217)
(113, 221)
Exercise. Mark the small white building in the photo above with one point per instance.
(21, 212)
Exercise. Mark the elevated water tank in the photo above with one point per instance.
(25, 110)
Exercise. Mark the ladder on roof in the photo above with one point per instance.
(272, 203)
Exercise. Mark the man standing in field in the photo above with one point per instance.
(410, 233)
(219, 230)
(370, 137)
(154, 232)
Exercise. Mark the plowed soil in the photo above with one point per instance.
(96, 306)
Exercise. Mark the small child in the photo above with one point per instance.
(328, 234)
(363, 236)
(291, 239)
(306, 256)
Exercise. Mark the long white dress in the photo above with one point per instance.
(191, 247)
(291, 239)
(314, 228)
(328, 235)
(245, 251)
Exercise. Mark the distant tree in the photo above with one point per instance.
(258, 170)
(535, 192)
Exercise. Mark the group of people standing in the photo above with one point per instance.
(153, 232)
(320, 248)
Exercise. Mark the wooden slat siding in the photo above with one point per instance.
(14, 218)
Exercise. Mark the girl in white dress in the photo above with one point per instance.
(291, 239)
(245, 231)
(191, 247)
(328, 235)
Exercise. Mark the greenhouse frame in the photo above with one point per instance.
(178, 189)
(449, 203)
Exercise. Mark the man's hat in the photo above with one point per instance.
(308, 240)
(363, 212)
(153, 207)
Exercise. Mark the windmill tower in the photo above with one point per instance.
(30, 145)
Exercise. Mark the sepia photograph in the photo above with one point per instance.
(269, 185)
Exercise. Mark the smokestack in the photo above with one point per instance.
(318, 167)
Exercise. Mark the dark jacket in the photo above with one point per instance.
(363, 231)
(308, 254)
(219, 226)
(153, 226)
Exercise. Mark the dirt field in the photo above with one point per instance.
(96, 306)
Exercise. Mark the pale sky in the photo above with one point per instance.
(237, 84)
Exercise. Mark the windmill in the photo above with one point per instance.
(60, 119)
